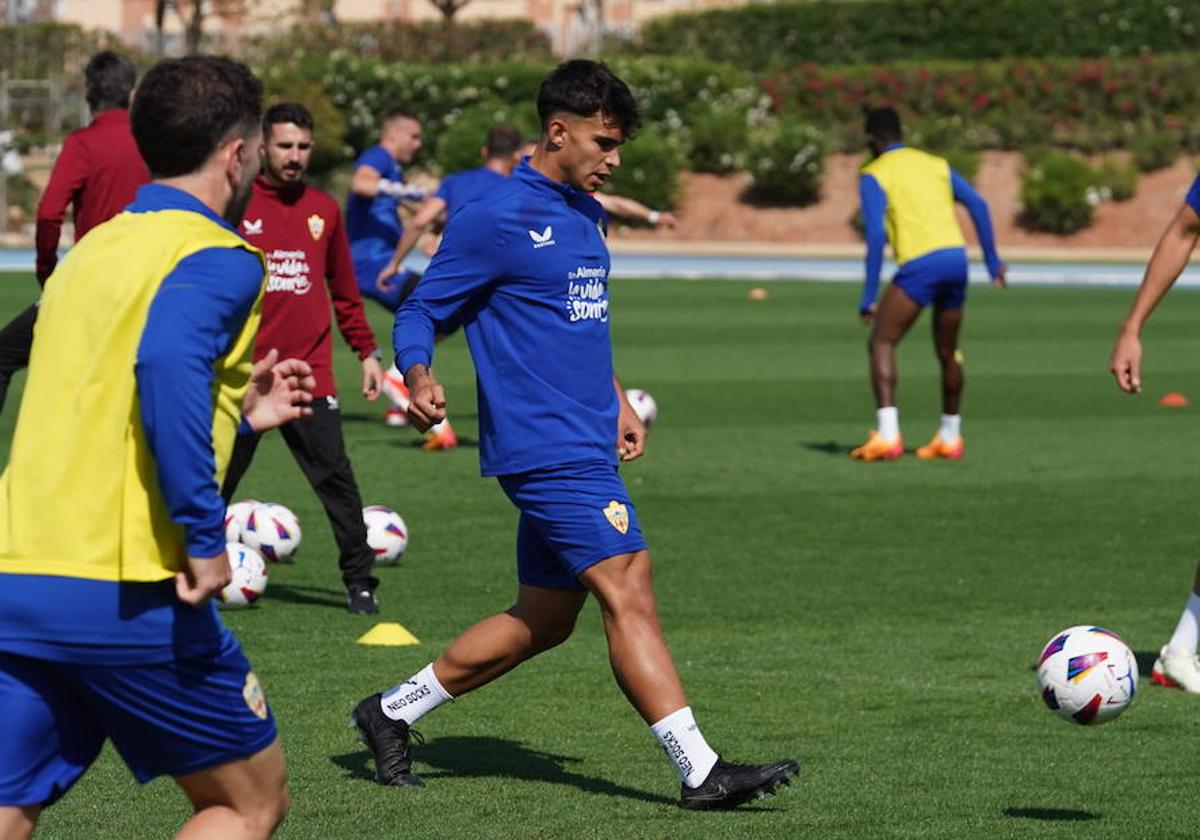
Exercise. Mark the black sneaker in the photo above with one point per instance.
(388, 740)
(360, 600)
(729, 785)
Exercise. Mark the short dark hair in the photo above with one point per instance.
(287, 112)
(185, 108)
(109, 79)
(503, 141)
(884, 124)
(397, 112)
(586, 88)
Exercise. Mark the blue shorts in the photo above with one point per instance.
(366, 270)
(938, 278)
(167, 719)
(572, 517)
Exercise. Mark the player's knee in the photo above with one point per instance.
(946, 355)
(264, 816)
(551, 635)
(631, 592)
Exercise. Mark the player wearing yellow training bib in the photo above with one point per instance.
(111, 525)
(908, 199)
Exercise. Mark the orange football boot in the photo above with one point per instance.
(440, 436)
(878, 449)
(936, 448)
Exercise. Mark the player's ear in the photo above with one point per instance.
(556, 133)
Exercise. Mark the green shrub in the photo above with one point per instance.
(966, 162)
(1154, 150)
(649, 170)
(1058, 194)
(716, 138)
(786, 159)
(870, 31)
(458, 143)
(1116, 180)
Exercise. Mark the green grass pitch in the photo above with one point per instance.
(879, 622)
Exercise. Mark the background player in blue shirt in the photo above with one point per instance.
(526, 271)
(501, 152)
(1177, 664)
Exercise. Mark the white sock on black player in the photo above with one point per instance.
(888, 421)
(950, 428)
(1187, 632)
(415, 697)
(680, 738)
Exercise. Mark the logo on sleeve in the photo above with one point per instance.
(617, 515)
(252, 227)
(543, 239)
(316, 226)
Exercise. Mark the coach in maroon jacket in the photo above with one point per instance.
(97, 173)
(300, 230)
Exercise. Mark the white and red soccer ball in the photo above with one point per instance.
(387, 535)
(248, 577)
(236, 516)
(643, 405)
(1087, 674)
(273, 531)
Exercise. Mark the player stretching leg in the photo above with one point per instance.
(157, 309)
(908, 199)
(1177, 663)
(526, 269)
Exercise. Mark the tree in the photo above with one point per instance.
(448, 8)
(193, 13)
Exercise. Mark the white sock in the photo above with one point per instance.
(888, 421)
(415, 697)
(680, 738)
(394, 388)
(951, 428)
(1187, 632)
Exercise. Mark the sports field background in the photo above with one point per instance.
(879, 622)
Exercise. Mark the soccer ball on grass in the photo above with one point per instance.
(273, 531)
(1087, 674)
(249, 577)
(387, 535)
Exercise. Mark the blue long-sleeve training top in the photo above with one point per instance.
(525, 270)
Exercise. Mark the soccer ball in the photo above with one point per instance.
(643, 405)
(387, 535)
(1087, 674)
(235, 518)
(249, 580)
(273, 531)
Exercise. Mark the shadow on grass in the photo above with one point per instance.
(375, 418)
(471, 757)
(829, 447)
(1051, 814)
(313, 595)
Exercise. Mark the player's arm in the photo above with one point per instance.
(632, 209)
(1170, 257)
(969, 197)
(368, 181)
(428, 213)
(873, 202)
(469, 261)
(196, 314)
(66, 181)
(348, 309)
(631, 431)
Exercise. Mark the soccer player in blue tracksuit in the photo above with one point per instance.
(908, 199)
(1177, 665)
(526, 271)
(107, 628)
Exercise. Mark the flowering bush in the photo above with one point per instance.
(649, 171)
(836, 32)
(460, 141)
(1087, 104)
(1058, 193)
(1116, 181)
(787, 161)
(1154, 150)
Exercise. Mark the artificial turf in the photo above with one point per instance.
(879, 622)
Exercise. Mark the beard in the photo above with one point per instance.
(236, 207)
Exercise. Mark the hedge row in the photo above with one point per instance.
(1086, 104)
(833, 32)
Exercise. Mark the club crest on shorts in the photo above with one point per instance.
(316, 226)
(252, 693)
(617, 515)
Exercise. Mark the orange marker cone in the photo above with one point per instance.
(1174, 399)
